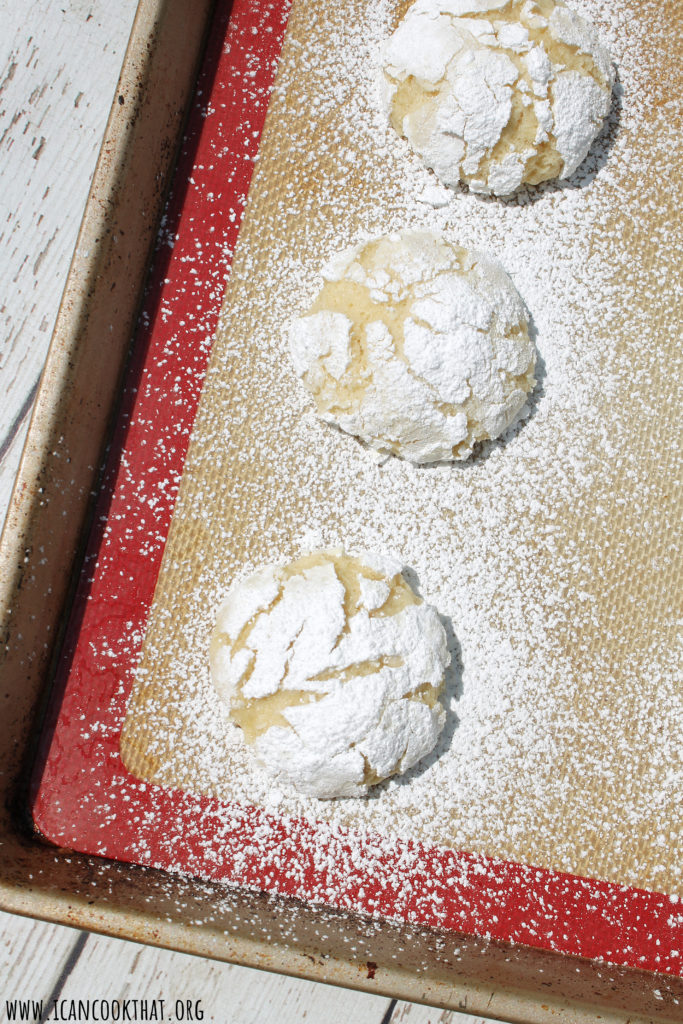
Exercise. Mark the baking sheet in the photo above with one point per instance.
(553, 553)
(83, 798)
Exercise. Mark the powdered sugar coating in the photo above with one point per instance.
(416, 345)
(496, 93)
(332, 666)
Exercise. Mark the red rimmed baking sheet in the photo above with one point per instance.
(83, 797)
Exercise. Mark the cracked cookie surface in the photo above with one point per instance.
(417, 346)
(496, 93)
(332, 666)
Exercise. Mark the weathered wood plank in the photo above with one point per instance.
(9, 461)
(413, 1013)
(113, 969)
(32, 956)
(58, 69)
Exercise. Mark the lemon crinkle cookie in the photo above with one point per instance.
(417, 346)
(496, 93)
(332, 666)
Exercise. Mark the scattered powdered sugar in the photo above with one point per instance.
(550, 553)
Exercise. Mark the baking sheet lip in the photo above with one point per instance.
(70, 315)
(284, 901)
(90, 252)
(392, 981)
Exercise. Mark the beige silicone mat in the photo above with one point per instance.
(553, 553)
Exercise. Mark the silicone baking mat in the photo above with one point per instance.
(171, 813)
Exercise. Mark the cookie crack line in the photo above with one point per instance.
(289, 652)
(369, 666)
(505, 15)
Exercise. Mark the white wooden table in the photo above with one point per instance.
(59, 62)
